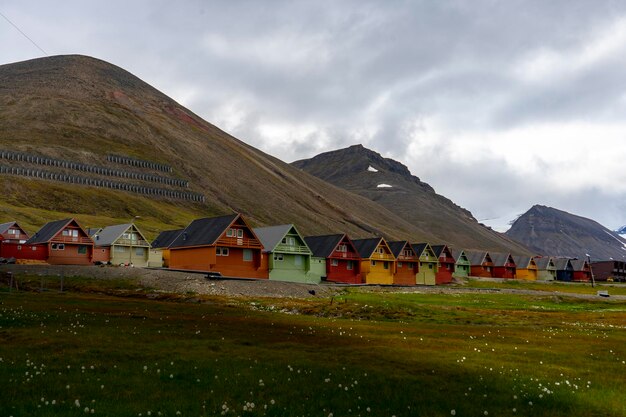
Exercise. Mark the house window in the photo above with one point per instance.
(349, 266)
(399, 264)
(430, 266)
(278, 257)
(297, 260)
(409, 265)
(230, 233)
(386, 265)
(19, 247)
(239, 233)
(342, 248)
(373, 263)
(407, 253)
(14, 232)
(334, 262)
(221, 251)
(381, 251)
(82, 250)
(247, 255)
(53, 246)
(140, 252)
(120, 249)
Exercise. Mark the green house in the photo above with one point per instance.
(289, 257)
(428, 265)
(462, 263)
(123, 244)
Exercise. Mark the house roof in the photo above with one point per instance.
(366, 247)
(500, 259)
(438, 249)
(165, 238)
(456, 254)
(579, 264)
(398, 246)
(419, 248)
(522, 262)
(476, 257)
(50, 230)
(543, 262)
(272, 236)
(93, 230)
(202, 232)
(108, 235)
(323, 246)
(5, 226)
(562, 263)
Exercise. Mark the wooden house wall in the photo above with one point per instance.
(341, 273)
(233, 265)
(377, 271)
(155, 258)
(71, 254)
(507, 272)
(406, 272)
(482, 271)
(529, 273)
(102, 254)
(427, 273)
(21, 251)
(546, 274)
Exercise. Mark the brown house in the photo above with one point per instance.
(226, 245)
(481, 264)
(63, 242)
(407, 263)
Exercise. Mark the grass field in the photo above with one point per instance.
(552, 286)
(360, 353)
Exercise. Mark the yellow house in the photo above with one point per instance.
(377, 260)
(429, 264)
(526, 267)
(162, 244)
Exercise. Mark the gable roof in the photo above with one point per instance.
(501, 259)
(108, 235)
(323, 246)
(579, 264)
(438, 249)
(543, 262)
(272, 236)
(419, 248)
(522, 262)
(366, 247)
(93, 230)
(202, 232)
(476, 257)
(456, 254)
(165, 238)
(562, 263)
(5, 226)
(398, 246)
(50, 230)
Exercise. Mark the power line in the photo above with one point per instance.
(25, 35)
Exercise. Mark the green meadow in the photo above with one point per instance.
(109, 349)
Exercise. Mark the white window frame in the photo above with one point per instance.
(334, 262)
(220, 251)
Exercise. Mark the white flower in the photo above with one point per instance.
(453, 412)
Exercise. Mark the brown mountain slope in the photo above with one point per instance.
(549, 231)
(438, 219)
(80, 109)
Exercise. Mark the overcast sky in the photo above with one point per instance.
(499, 105)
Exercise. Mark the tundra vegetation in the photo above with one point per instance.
(113, 348)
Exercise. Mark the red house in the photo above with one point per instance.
(63, 242)
(446, 264)
(503, 265)
(12, 238)
(407, 263)
(342, 258)
(481, 264)
(582, 271)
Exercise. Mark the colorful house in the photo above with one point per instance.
(12, 239)
(446, 264)
(289, 257)
(526, 267)
(564, 269)
(377, 262)
(123, 244)
(63, 242)
(407, 263)
(504, 265)
(546, 270)
(461, 263)
(481, 264)
(226, 245)
(341, 257)
(581, 270)
(162, 245)
(428, 264)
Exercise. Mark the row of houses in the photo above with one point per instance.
(228, 246)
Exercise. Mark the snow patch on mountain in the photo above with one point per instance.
(384, 186)
(371, 169)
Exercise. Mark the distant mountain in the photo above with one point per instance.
(549, 231)
(391, 184)
(621, 231)
(79, 110)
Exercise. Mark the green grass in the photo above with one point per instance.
(554, 286)
(397, 354)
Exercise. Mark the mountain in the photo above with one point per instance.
(129, 150)
(621, 231)
(390, 183)
(549, 231)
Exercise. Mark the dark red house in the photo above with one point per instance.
(12, 238)
(581, 270)
(481, 264)
(63, 242)
(446, 264)
(342, 258)
(609, 270)
(503, 265)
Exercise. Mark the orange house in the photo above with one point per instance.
(407, 263)
(226, 245)
(63, 242)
